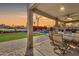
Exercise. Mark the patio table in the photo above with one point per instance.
(74, 37)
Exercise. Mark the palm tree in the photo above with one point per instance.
(37, 18)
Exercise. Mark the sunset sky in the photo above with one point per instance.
(16, 14)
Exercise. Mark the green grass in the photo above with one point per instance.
(14, 36)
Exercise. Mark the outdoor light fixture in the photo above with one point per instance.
(69, 18)
(62, 8)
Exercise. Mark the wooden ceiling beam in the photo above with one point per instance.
(72, 21)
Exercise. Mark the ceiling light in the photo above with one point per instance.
(69, 18)
(62, 8)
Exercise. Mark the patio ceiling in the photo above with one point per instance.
(64, 12)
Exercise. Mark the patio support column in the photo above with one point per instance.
(29, 49)
(56, 25)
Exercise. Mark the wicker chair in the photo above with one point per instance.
(60, 47)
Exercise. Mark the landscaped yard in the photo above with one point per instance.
(14, 36)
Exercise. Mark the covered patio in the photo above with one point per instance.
(63, 13)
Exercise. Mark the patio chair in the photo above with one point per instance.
(60, 47)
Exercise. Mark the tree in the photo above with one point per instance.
(38, 18)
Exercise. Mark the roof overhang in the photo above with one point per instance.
(53, 11)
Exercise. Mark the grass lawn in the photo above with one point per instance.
(14, 36)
